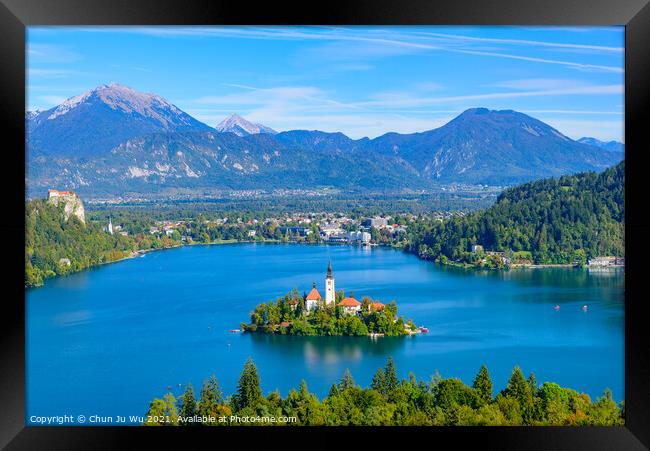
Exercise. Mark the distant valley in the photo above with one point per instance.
(115, 141)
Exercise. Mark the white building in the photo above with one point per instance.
(602, 261)
(330, 229)
(330, 293)
(359, 236)
(109, 226)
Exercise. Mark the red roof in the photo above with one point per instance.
(314, 295)
(285, 324)
(377, 306)
(349, 302)
(61, 193)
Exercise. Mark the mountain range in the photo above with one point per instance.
(113, 140)
(612, 146)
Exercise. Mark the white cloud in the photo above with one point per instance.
(563, 45)
(539, 83)
(411, 101)
(571, 64)
(378, 43)
(49, 73)
(50, 53)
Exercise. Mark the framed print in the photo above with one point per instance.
(420, 219)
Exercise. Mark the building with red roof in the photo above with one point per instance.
(56, 193)
(312, 299)
(350, 305)
(376, 306)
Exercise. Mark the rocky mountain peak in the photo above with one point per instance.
(241, 127)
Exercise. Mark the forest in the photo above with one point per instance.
(564, 220)
(389, 401)
(55, 246)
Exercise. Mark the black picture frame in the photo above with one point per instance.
(15, 15)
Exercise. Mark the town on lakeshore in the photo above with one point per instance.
(484, 239)
(334, 314)
(323, 227)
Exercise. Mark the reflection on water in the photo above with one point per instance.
(326, 350)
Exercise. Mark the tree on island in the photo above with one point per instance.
(287, 315)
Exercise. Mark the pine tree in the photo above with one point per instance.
(391, 376)
(483, 384)
(211, 397)
(304, 391)
(249, 392)
(379, 381)
(532, 383)
(347, 381)
(518, 387)
(188, 403)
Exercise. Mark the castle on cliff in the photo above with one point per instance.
(72, 202)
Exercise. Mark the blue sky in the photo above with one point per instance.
(362, 81)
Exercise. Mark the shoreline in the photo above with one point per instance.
(462, 265)
(450, 263)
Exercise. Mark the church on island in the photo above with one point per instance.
(349, 304)
(332, 314)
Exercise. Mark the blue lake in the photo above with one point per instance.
(108, 340)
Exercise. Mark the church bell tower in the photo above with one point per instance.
(329, 285)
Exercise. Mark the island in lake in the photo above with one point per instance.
(336, 314)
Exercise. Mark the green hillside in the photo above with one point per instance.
(551, 221)
(54, 246)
